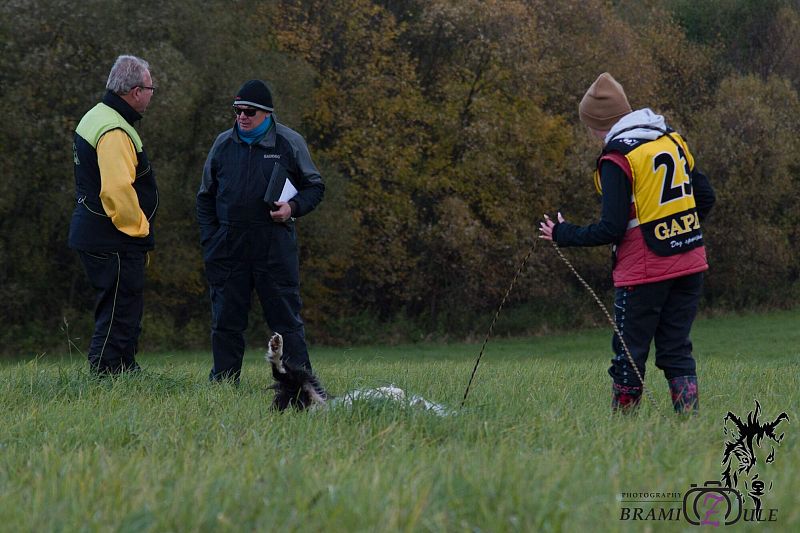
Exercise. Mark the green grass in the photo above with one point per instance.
(535, 449)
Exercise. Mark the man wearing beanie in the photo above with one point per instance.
(258, 178)
(653, 201)
(112, 224)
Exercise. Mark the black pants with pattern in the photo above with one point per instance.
(118, 281)
(662, 312)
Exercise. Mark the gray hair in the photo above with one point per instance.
(127, 73)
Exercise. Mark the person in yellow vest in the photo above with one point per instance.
(654, 199)
(115, 201)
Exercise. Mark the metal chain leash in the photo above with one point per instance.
(494, 320)
(596, 299)
(610, 321)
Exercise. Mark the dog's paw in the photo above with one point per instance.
(275, 353)
(276, 344)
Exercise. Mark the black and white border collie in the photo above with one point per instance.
(294, 386)
(301, 389)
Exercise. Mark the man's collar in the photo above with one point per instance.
(268, 140)
(122, 107)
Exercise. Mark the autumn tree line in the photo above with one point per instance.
(444, 130)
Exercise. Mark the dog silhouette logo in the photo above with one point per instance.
(745, 457)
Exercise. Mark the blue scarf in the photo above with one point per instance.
(257, 133)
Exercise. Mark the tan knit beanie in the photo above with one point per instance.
(604, 103)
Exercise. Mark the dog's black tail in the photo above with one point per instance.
(297, 388)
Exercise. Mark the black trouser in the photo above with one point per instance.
(239, 260)
(663, 311)
(118, 279)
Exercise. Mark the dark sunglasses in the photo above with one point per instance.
(146, 87)
(247, 112)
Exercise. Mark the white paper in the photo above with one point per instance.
(288, 191)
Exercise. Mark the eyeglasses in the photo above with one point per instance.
(146, 87)
(247, 112)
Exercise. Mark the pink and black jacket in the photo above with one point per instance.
(654, 199)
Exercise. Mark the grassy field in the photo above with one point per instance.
(535, 449)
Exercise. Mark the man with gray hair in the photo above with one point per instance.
(116, 198)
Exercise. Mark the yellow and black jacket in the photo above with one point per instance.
(115, 189)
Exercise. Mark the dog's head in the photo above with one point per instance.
(294, 387)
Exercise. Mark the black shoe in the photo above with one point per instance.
(104, 370)
(129, 368)
(231, 376)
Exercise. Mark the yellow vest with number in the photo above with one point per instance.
(665, 209)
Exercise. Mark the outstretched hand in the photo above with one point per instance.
(546, 227)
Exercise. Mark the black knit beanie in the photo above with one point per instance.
(254, 93)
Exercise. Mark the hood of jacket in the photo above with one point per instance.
(640, 124)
